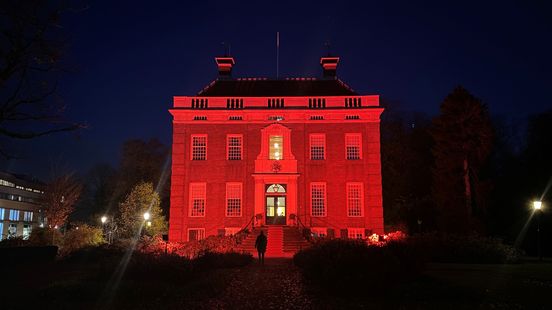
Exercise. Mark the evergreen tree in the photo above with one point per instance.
(463, 136)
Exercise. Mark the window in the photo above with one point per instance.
(28, 216)
(6, 183)
(234, 147)
(355, 233)
(14, 215)
(230, 231)
(318, 199)
(27, 231)
(319, 232)
(199, 147)
(12, 230)
(196, 234)
(1, 230)
(354, 199)
(197, 199)
(353, 146)
(276, 147)
(1, 216)
(317, 146)
(233, 199)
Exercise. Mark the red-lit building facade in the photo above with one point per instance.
(293, 151)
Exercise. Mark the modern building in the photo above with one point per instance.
(20, 210)
(276, 152)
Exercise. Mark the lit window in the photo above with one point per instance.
(28, 216)
(199, 147)
(234, 147)
(276, 147)
(230, 231)
(317, 146)
(197, 199)
(1, 230)
(27, 231)
(12, 230)
(1, 216)
(14, 215)
(355, 233)
(6, 183)
(318, 199)
(196, 234)
(354, 199)
(233, 199)
(319, 232)
(353, 146)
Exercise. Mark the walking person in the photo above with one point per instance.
(260, 245)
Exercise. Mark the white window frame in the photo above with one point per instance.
(234, 191)
(320, 232)
(317, 146)
(355, 233)
(234, 152)
(230, 231)
(198, 194)
(198, 150)
(27, 230)
(318, 204)
(355, 202)
(353, 140)
(201, 233)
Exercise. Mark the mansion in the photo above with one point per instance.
(257, 152)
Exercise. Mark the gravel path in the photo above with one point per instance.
(276, 285)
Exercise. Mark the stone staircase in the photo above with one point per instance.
(283, 241)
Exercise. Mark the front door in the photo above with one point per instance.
(275, 210)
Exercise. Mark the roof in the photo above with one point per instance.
(261, 87)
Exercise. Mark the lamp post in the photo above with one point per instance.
(108, 228)
(537, 206)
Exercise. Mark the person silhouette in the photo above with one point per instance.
(260, 245)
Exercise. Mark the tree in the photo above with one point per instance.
(97, 198)
(59, 199)
(463, 136)
(143, 198)
(406, 164)
(142, 161)
(30, 53)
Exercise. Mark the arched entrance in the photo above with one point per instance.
(275, 207)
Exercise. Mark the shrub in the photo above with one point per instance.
(346, 266)
(83, 236)
(192, 249)
(45, 236)
(466, 249)
(446, 248)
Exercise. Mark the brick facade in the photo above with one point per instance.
(256, 120)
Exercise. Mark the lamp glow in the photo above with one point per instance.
(104, 219)
(537, 204)
(146, 216)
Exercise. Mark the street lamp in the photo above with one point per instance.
(104, 219)
(537, 206)
(146, 216)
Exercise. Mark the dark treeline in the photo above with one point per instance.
(105, 186)
(464, 172)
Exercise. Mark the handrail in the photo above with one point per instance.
(247, 225)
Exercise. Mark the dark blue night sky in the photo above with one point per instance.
(131, 57)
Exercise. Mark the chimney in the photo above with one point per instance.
(329, 66)
(224, 65)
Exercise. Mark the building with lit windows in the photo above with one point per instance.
(20, 210)
(291, 152)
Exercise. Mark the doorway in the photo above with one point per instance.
(275, 204)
